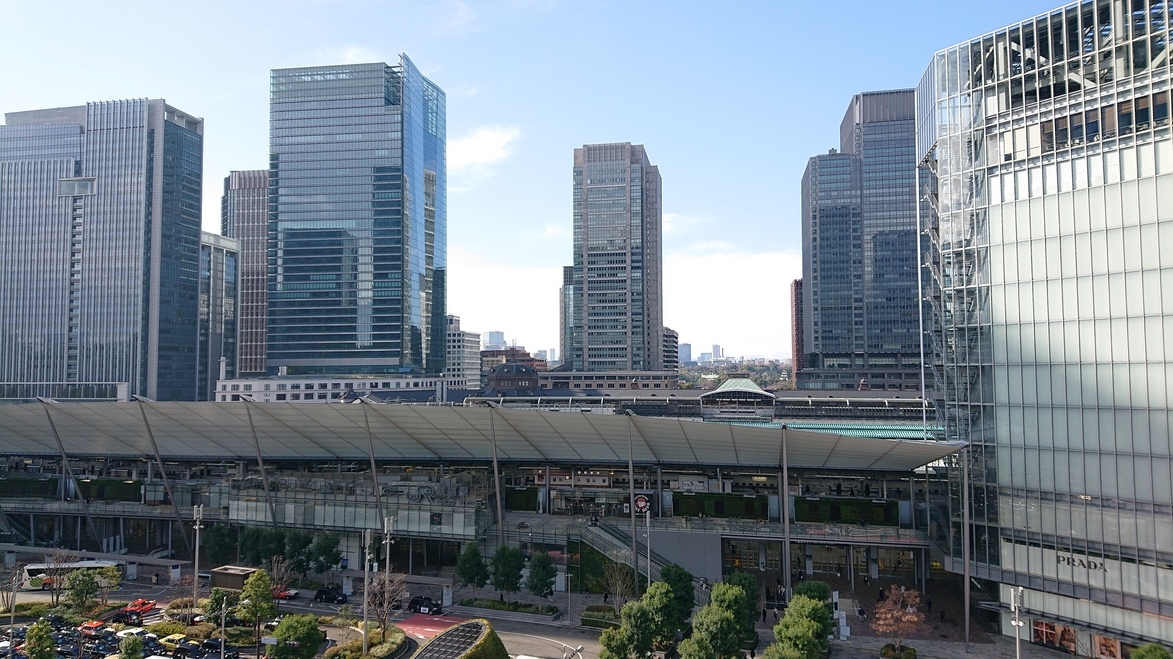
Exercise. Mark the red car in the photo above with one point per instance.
(140, 606)
(283, 593)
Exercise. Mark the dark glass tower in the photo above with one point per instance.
(861, 321)
(612, 309)
(357, 221)
(219, 292)
(99, 249)
(244, 215)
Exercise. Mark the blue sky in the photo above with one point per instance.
(730, 99)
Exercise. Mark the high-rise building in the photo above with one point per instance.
(718, 353)
(244, 215)
(685, 353)
(612, 302)
(464, 356)
(859, 259)
(495, 340)
(99, 249)
(797, 321)
(1051, 259)
(357, 221)
(219, 303)
(671, 350)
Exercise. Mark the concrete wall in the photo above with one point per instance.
(699, 553)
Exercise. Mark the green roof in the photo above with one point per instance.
(886, 431)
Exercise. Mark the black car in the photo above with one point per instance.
(212, 647)
(422, 604)
(189, 650)
(133, 618)
(331, 595)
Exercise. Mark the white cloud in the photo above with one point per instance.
(473, 156)
(675, 223)
(495, 292)
(459, 16)
(348, 54)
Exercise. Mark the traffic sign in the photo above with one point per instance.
(641, 503)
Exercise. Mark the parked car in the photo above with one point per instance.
(283, 593)
(423, 604)
(130, 631)
(173, 641)
(122, 616)
(212, 647)
(140, 606)
(330, 594)
(189, 650)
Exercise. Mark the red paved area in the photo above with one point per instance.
(422, 626)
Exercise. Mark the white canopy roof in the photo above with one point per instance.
(430, 434)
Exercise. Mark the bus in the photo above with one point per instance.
(40, 576)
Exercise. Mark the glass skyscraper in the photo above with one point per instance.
(99, 249)
(860, 319)
(612, 309)
(357, 221)
(219, 304)
(244, 216)
(1050, 174)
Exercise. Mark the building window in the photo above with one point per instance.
(72, 187)
(236, 387)
(294, 396)
(280, 396)
(248, 387)
(266, 387)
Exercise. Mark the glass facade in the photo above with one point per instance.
(219, 282)
(859, 288)
(612, 302)
(357, 221)
(99, 247)
(244, 216)
(1050, 166)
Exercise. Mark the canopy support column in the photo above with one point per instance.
(166, 481)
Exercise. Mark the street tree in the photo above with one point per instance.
(7, 577)
(541, 575)
(1152, 651)
(616, 580)
(470, 567)
(506, 569)
(38, 641)
(718, 628)
(817, 590)
(747, 608)
(386, 597)
(801, 635)
(222, 599)
(81, 586)
(218, 544)
(696, 647)
(680, 580)
(324, 554)
(804, 607)
(256, 602)
(661, 605)
(280, 573)
(615, 643)
(298, 637)
(898, 615)
(636, 617)
(56, 571)
(732, 598)
(131, 647)
(297, 551)
(109, 580)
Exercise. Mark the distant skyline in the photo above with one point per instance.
(731, 103)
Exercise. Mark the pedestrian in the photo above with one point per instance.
(867, 579)
(763, 614)
(880, 595)
(501, 596)
(604, 598)
(942, 615)
(929, 605)
(861, 613)
(775, 614)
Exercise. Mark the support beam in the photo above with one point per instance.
(785, 510)
(166, 481)
(67, 471)
(261, 464)
(371, 454)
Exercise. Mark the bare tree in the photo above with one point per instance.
(109, 580)
(616, 580)
(386, 596)
(898, 615)
(55, 573)
(8, 579)
(280, 572)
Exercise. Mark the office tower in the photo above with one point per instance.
(685, 353)
(797, 320)
(99, 248)
(671, 350)
(859, 258)
(244, 215)
(219, 304)
(357, 221)
(705, 357)
(718, 353)
(612, 303)
(464, 356)
(1051, 259)
(495, 340)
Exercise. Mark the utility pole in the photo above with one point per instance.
(366, 586)
(388, 525)
(1016, 608)
(198, 516)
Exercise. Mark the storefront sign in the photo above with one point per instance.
(1083, 562)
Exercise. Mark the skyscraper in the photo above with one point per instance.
(464, 356)
(859, 259)
(244, 215)
(219, 294)
(612, 304)
(99, 248)
(797, 347)
(1051, 260)
(357, 221)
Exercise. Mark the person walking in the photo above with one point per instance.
(775, 614)
(929, 606)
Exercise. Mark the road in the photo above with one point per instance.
(520, 638)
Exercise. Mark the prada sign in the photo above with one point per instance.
(1084, 563)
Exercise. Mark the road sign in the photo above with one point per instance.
(641, 503)
(269, 640)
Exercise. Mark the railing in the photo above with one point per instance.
(103, 509)
(616, 545)
(799, 531)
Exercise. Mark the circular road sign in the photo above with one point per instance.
(641, 503)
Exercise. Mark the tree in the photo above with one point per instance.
(279, 571)
(219, 544)
(6, 594)
(55, 573)
(38, 641)
(297, 551)
(470, 567)
(680, 580)
(385, 592)
(661, 605)
(615, 643)
(131, 647)
(816, 590)
(746, 611)
(897, 615)
(719, 629)
(256, 602)
(109, 579)
(324, 554)
(617, 580)
(777, 651)
(696, 647)
(802, 635)
(298, 637)
(732, 598)
(221, 599)
(506, 572)
(637, 619)
(1152, 651)
(804, 607)
(541, 575)
(81, 586)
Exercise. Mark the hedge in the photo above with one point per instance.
(515, 607)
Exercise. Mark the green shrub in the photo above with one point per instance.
(819, 591)
(31, 609)
(516, 607)
(908, 653)
(600, 624)
(489, 647)
(201, 631)
(179, 604)
(380, 645)
(167, 628)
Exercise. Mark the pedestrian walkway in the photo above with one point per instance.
(1000, 647)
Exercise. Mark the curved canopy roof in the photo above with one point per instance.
(739, 385)
(430, 434)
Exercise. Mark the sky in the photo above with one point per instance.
(729, 99)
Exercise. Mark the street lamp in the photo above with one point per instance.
(198, 517)
(388, 525)
(1016, 608)
(631, 489)
(366, 586)
(223, 616)
(568, 651)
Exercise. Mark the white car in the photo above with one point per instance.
(133, 631)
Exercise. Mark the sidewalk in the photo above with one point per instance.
(1002, 647)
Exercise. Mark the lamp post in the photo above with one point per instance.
(631, 500)
(1016, 608)
(388, 525)
(198, 517)
(648, 516)
(223, 617)
(568, 652)
(12, 602)
(366, 586)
